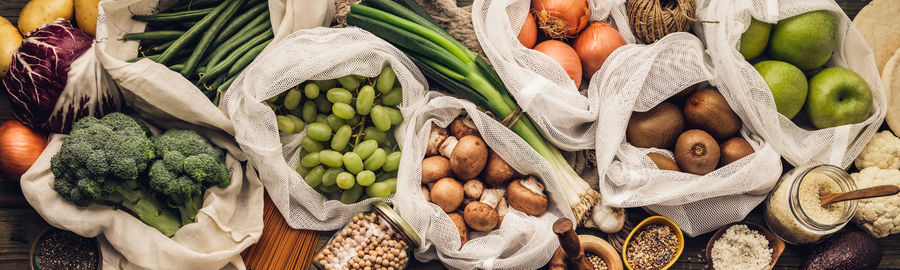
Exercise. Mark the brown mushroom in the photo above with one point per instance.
(447, 146)
(468, 157)
(461, 227)
(463, 126)
(482, 215)
(527, 195)
(447, 193)
(435, 138)
(496, 172)
(502, 209)
(427, 193)
(473, 189)
(434, 168)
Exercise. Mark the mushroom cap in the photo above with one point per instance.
(461, 227)
(434, 168)
(496, 172)
(463, 126)
(447, 193)
(473, 188)
(480, 216)
(525, 200)
(469, 157)
(427, 193)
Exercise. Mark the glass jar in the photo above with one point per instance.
(793, 209)
(376, 239)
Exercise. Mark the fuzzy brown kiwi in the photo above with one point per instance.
(707, 109)
(663, 162)
(659, 127)
(696, 152)
(734, 149)
(686, 92)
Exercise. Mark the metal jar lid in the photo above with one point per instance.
(397, 222)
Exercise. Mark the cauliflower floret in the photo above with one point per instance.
(879, 216)
(883, 151)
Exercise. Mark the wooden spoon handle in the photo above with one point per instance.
(876, 191)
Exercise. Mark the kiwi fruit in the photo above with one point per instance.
(686, 92)
(659, 127)
(696, 152)
(734, 149)
(707, 109)
(663, 162)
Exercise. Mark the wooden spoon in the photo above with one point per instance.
(876, 191)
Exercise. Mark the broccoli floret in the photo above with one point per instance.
(102, 161)
(189, 165)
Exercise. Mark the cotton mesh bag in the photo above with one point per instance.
(229, 221)
(747, 89)
(540, 86)
(639, 77)
(521, 242)
(315, 54)
(154, 89)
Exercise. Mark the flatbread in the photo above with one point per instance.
(879, 23)
(891, 78)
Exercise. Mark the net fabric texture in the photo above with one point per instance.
(637, 78)
(229, 222)
(539, 85)
(314, 54)
(742, 84)
(521, 242)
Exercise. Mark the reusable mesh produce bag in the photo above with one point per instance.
(743, 85)
(230, 220)
(154, 89)
(315, 54)
(540, 86)
(521, 242)
(637, 78)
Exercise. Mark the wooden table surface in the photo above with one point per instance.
(19, 223)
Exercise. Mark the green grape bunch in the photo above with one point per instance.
(348, 152)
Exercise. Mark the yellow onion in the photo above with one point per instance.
(561, 18)
(20, 147)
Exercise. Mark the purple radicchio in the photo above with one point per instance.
(55, 79)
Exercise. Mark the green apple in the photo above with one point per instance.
(755, 39)
(838, 96)
(806, 40)
(787, 83)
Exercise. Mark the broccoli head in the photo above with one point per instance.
(189, 165)
(103, 161)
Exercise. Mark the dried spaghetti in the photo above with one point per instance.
(280, 246)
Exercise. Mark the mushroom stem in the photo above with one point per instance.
(533, 185)
(448, 145)
(437, 136)
(473, 188)
(492, 197)
(502, 209)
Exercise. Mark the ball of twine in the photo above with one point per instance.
(653, 19)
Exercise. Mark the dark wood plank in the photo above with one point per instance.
(18, 226)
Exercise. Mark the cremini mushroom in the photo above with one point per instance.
(502, 209)
(496, 172)
(434, 168)
(461, 227)
(437, 136)
(427, 193)
(527, 195)
(473, 188)
(482, 215)
(463, 126)
(447, 193)
(468, 157)
(446, 148)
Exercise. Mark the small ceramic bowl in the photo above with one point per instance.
(34, 256)
(651, 221)
(775, 243)
(597, 246)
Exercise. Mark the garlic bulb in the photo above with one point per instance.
(608, 219)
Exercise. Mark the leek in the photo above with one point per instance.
(447, 62)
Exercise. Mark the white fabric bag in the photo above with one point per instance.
(229, 222)
(637, 78)
(539, 85)
(315, 54)
(151, 88)
(521, 242)
(747, 89)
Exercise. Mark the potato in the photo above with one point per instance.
(86, 15)
(10, 39)
(40, 12)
